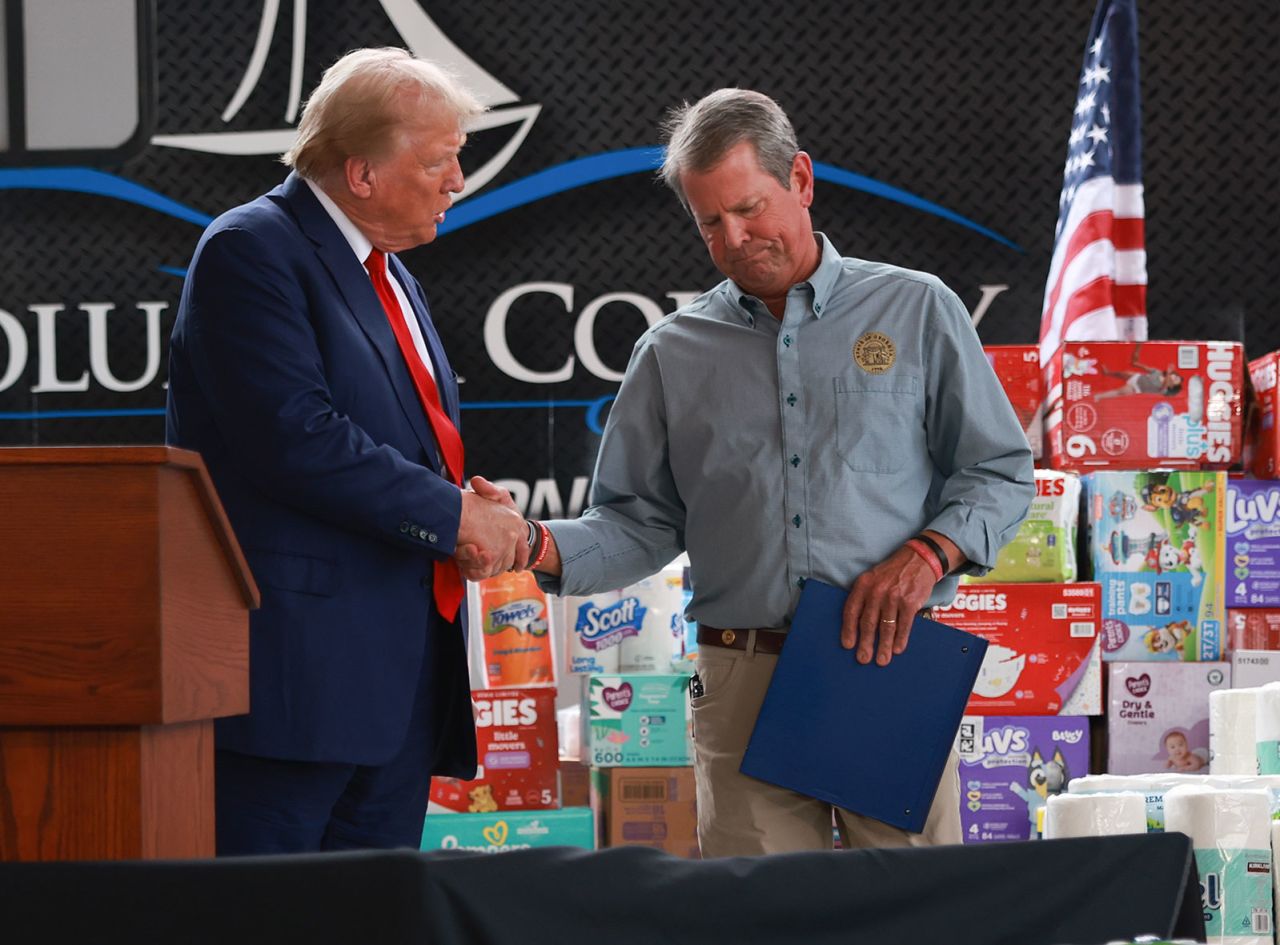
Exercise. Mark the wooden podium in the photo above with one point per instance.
(124, 631)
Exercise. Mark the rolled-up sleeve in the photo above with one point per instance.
(985, 480)
(635, 524)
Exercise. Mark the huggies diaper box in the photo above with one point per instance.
(1044, 550)
(1253, 629)
(1253, 543)
(1010, 766)
(1143, 404)
(1158, 716)
(518, 751)
(1043, 653)
(1265, 461)
(634, 720)
(512, 830)
(1157, 544)
(1018, 368)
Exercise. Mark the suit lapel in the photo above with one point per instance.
(353, 283)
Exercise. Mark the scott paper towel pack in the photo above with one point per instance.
(1231, 834)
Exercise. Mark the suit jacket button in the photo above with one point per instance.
(404, 528)
(426, 581)
(431, 537)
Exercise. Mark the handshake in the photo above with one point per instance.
(492, 535)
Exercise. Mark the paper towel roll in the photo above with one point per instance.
(1095, 815)
(1258, 782)
(591, 640)
(659, 609)
(1153, 786)
(1267, 722)
(1233, 731)
(1231, 833)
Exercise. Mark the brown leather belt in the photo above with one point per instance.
(767, 641)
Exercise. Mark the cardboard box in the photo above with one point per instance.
(514, 830)
(575, 784)
(1265, 458)
(648, 807)
(518, 752)
(636, 720)
(1010, 766)
(1018, 368)
(1158, 716)
(1044, 550)
(1139, 405)
(1157, 545)
(1251, 668)
(1043, 655)
(1253, 543)
(1253, 629)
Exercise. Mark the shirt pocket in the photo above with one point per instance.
(875, 420)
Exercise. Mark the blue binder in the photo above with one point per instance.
(871, 739)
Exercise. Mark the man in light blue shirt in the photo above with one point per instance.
(811, 416)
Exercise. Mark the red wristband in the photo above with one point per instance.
(542, 550)
(929, 557)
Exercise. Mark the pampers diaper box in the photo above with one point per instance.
(1010, 766)
(518, 753)
(513, 830)
(1146, 404)
(1253, 543)
(1157, 544)
(1043, 655)
(1044, 550)
(1158, 716)
(632, 720)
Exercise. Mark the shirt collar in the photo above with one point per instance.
(821, 283)
(359, 243)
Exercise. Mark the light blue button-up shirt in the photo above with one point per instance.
(775, 450)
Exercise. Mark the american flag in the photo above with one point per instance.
(1097, 284)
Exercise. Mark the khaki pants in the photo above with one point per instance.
(742, 816)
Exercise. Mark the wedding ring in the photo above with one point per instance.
(888, 621)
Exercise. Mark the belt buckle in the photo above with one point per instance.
(727, 637)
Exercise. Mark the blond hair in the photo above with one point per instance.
(363, 104)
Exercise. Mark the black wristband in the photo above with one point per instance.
(536, 539)
(937, 550)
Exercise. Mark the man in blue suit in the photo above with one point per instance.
(306, 370)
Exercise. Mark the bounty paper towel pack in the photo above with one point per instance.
(637, 721)
(1158, 716)
(1231, 834)
(1045, 547)
(1157, 546)
(1043, 654)
(1010, 766)
(1253, 543)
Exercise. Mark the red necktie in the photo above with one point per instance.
(448, 584)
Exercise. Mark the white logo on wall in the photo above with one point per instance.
(422, 37)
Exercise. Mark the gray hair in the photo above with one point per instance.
(363, 104)
(699, 135)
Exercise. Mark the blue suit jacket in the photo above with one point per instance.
(285, 375)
